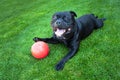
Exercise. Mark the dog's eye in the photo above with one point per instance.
(66, 18)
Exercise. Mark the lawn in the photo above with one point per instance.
(98, 57)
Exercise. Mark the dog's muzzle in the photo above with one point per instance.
(59, 32)
(61, 28)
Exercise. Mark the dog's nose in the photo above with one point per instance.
(58, 22)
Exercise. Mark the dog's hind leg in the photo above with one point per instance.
(94, 16)
(99, 23)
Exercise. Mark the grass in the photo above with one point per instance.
(21, 20)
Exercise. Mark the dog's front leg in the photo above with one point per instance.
(70, 54)
(47, 40)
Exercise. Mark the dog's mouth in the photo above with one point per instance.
(61, 31)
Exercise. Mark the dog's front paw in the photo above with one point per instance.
(36, 39)
(59, 66)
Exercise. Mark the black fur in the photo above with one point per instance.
(75, 31)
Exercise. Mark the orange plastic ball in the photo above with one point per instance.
(40, 49)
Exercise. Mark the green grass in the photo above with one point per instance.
(21, 20)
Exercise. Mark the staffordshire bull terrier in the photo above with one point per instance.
(70, 31)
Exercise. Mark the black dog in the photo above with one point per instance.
(71, 31)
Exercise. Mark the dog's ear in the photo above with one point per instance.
(73, 13)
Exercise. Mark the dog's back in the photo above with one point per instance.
(89, 23)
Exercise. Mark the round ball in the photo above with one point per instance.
(40, 49)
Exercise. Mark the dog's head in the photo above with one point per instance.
(63, 24)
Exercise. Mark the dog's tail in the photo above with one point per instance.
(99, 22)
(103, 19)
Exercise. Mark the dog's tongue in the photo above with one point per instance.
(59, 32)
